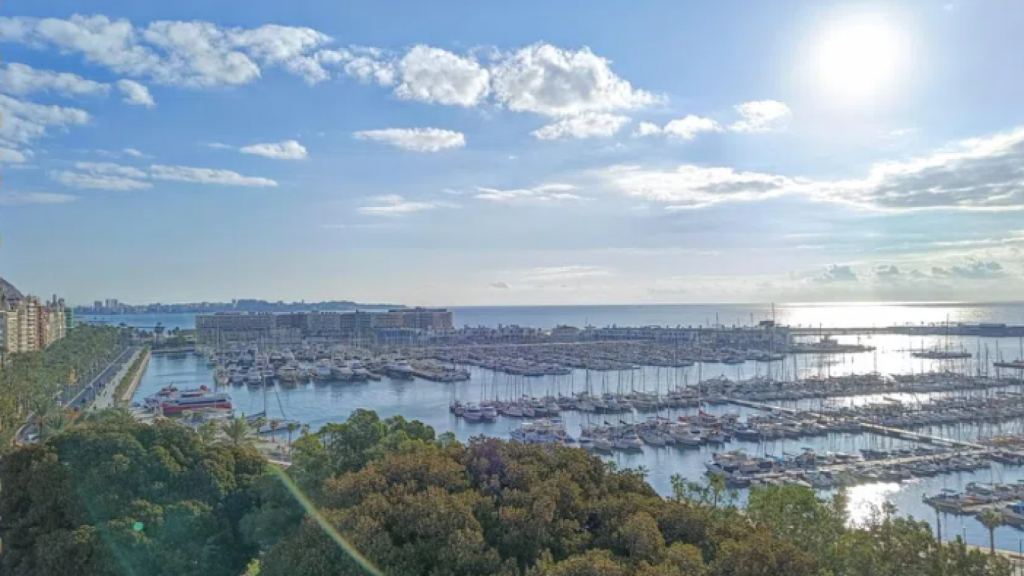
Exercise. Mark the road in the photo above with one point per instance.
(102, 381)
(106, 397)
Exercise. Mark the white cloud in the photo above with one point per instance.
(586, 125)
(287, 46)
(415, 139)
(15, 199)
(760, 116)
(365, 63)
(100, 40)
(135, 94)
(548, 80)
(217, 146)
(975, 174)
(134, 152)
(19, 80)
(12, 156)
(110, 169)
(543, 193)
(197, 54)
(98, 181)
(646, 129)
(555, 273)
(109, 176)
(206, 176)
(287, 150)
(438, 76)
(972, 270)
(835, 273)
(690, 186)
(687, 128)
(499, 285)
(26, 121)
(395, 205)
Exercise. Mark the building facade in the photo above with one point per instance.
(30, 325)
(429, 319)
(265, 327)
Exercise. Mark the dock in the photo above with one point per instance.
(877, 428)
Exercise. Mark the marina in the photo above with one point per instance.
(817, 431)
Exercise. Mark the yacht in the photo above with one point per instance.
(472, 413)
(322, 370)
(253, 377)
(399, 370)
(359, 372)
(343, 373)
(488, 413)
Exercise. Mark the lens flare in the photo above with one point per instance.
(325, 524)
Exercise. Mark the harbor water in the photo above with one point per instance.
(319, 404)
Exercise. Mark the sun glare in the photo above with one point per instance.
(858, 59)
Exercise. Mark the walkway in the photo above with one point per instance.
(105, 397)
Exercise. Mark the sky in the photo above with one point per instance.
(481, 153)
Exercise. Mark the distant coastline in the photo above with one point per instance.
(115, 308)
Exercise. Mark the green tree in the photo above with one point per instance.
(104, 500)
(797, 514)
(208, 432)
(237, 431)
(991, 520)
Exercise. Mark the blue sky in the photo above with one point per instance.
(514, 153)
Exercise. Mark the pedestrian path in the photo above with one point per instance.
(105, 398)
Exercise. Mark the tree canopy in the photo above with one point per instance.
(373, 496)
(109, 497)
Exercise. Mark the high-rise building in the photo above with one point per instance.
(29, 324)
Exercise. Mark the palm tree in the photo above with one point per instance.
(237, 431)
(274, 423)
(58, 423)
(305, 429)
(208, 433)
(291, 427)
(120, 415)
(44, 413)
(259, 423)
(991, 520)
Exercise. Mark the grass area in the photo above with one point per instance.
(126, 382)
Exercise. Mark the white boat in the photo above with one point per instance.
(628, 442)
(343, 373)
(359, 372)
(488, 413)
(399, 370)
(253, 377)
(472, 413)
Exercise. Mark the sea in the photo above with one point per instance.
(319, 404)
(826, 315)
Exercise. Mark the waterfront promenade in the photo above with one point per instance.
(106, 396)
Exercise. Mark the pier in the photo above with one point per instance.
(877, 428)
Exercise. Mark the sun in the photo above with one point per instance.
(858, 59)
